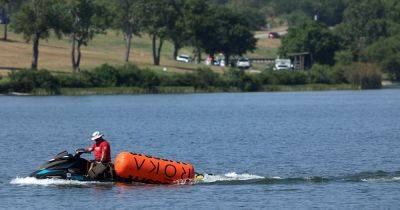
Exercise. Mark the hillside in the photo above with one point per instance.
(108, 48)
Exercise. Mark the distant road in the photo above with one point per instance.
(282, 31)
(261, 36)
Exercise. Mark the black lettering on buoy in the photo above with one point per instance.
(155, 167)
(138, 167)
(184, 172)
(165, 171)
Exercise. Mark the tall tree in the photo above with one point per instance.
(228, 32)
(37, 18)
(385, 52)
(159, 15)
(199, 25)
(313, 37)
(177, 27)
(363, 23)
(129, 18)
(90, 17)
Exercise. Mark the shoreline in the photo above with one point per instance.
(178, 90)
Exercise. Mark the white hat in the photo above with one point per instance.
(96, 135)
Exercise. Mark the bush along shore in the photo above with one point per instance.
(129, 79)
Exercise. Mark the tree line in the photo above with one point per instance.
(205, 26)
(369, 33)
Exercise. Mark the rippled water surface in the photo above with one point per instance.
(261, 150)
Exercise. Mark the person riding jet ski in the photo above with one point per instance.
(102, 156)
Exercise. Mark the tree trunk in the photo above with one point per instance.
(227, 60)
(5, 32)
(5, 14)
(128, 46)
(177, 47)
(76, 54)
(78, 60)
(35, 56)
(198, 55)
(73, 53)
(153, 44)
(156, 50)
(161, 42)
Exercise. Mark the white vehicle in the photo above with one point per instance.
(184, 58)
(243, 63)
(283, 64)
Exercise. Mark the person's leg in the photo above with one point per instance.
(97, 170)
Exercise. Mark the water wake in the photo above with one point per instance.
(52, 182)
(243, 179)
(231, 178)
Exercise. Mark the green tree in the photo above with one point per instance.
(159, 15)
(392, 8)
(219, 29)
(234, 36)
(363, 23)
(129, 19)
(177, 30)
(37, 18)
(253, 15)
(313, 37)
(90, 17)
(199, 25)
(385, 52)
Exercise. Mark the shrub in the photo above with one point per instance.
(364, 76)
(149, 79)
(129, 75)
(204, 78)
(251, 83)
(337, 74)
(27, 80)
(344, 57)
(75, 81)
(321, 74)
(5, 87)
(176, 79)
(233, 78)
(287, 77)
(103, 76)
(269, 77)
(239, 79)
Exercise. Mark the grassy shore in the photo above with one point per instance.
(184, 90)
(107, 48)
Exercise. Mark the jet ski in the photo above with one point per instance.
(73, 167)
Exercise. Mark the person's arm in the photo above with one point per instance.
(104, 151)
(89, 149)
(103, 155)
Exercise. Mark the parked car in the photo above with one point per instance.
(184, 58)
(243, 63)
(273, 35)
(283, 64)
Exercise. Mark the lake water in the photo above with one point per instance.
(329, 150)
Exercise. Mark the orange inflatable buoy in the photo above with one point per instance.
(147, 169)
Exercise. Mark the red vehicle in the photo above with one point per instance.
(273, 35)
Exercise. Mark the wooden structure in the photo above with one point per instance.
(301, 61)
